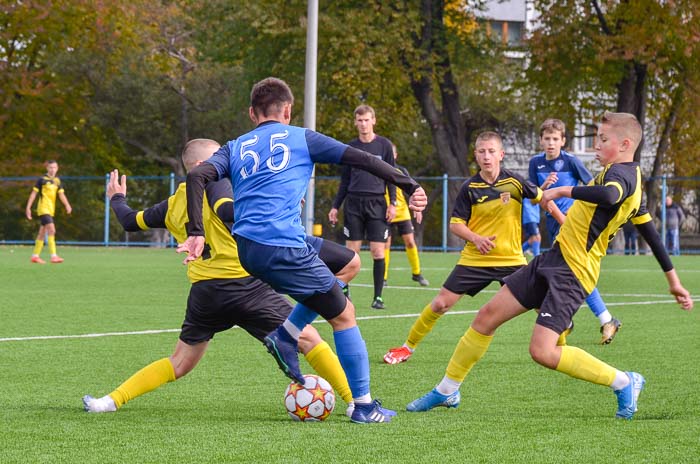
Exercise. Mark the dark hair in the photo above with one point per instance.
(553, 125)
(269, 95)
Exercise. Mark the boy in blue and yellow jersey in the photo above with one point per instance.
(558, 280)
(270, 168)
(487, 216)
(223, 294)
(47, 188)
(404, 226)
(552, 168)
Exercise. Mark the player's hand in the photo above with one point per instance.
(682, 296)
(69, 209)
(485, 244)
(115, 184)
(551, 179)
(419, 216)
(418, 201)
(28, 213)
(333, 216)
(390, 213)
(193, 246)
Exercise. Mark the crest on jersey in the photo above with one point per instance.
(505, 197)
(558, 164)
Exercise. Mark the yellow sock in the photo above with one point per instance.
(581, 365)
(327, 365)
(149, 378)
(52, 244)
(38, 246)
(469, 350)
(413, 260)
(422, 327)
(387, 253)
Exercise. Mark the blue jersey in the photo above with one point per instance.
(570, 172)
(531, 213)
(270, 168)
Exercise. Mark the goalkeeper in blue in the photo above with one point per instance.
(270, 168)
(558, 281)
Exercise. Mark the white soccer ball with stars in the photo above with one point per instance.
(311, 403)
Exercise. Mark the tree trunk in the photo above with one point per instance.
(631, 95)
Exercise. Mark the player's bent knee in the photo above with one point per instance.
(544, 355)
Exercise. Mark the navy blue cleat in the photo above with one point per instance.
(371, 412)
(283, 348)
(627, 397)
(433, 399)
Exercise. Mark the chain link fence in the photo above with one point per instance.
(93, 223)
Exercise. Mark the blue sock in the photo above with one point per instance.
(596, 303)
(536, 248)
(352, 354)
(301, 316)
(526, 246)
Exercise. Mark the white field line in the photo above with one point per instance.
(655, 270)
(361, 318)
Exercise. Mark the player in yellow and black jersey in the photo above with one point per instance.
(223, 294)
(404, 226)
(47, 188)
(487, 215)
(558, 281)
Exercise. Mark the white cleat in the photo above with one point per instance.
(104, 404)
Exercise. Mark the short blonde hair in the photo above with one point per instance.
(489, 135)
(198, 150)
(624, 125)
(551, 125)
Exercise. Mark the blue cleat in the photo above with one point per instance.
(627, 397)
(283, 348)
(371, 412)
(433, 399)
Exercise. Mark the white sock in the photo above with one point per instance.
(408, 347)
(605, 317)
(364, 399)
(292, 329)
(621, 381)
(448, 386)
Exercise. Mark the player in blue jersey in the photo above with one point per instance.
(554, 167)
(531, 228)
(270, 168)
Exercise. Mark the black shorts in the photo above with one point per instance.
(403, 227)
(470, 280)
(219, 304)
(45, 219)
(333, 255)
(530, 229)
(548, 283)
(365, 218)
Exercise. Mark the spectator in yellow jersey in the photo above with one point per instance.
(558, 281)
(47, 188)
(222, 294)
(403, 224)
(487, 215)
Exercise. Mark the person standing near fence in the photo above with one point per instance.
(367, 214)
(47, 188)
(674, 218)
(631, 238)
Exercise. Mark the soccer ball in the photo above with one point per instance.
(312, 402)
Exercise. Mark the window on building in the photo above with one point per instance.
(509, 33)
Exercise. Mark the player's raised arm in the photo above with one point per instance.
(197, 179)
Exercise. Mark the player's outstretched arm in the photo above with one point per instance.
(676, 288)
(197, 179)
(151, 218)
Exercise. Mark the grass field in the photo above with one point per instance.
(229, 409)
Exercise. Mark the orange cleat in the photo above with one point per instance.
(56, 259)
(37, 260)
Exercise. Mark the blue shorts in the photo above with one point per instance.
(297, 272)
(531, 228)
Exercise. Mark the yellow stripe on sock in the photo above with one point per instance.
(579, 364)
(422, 327)
(326, 364)
(147, 379)
(469, 350)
